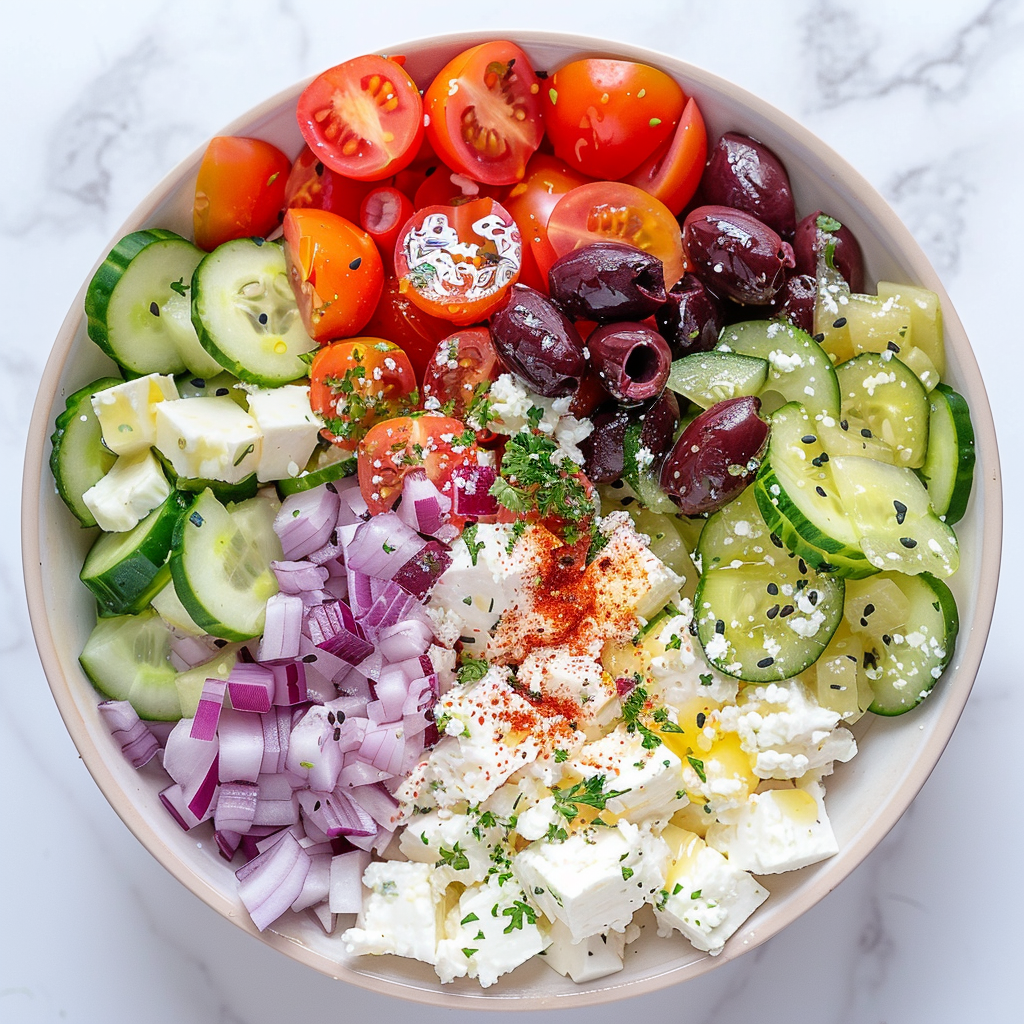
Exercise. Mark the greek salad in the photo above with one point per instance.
(503, 510)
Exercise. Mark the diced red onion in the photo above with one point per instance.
(378, 803)
(473, 499)
(306, 521)
(421, 571)
(360, 591)
(383, 747)
(274, 881)
(227, 843)
(317, 884)
(289, 683)
(236, 806)
(202, 797)
(138, 744)
(624, 685)
(295, 577)
(332, 627)
(251, 687)
(351, 507)
(190, 650)
(321, 913)
(240, 734)
(276, 812)
(282, 628)
(382, 545)
(277, 727)
(336, 815)
(313, 753)
(423, 507)
(336, 587)
(329, 552)
(405, 639)
(346, 895)
(208, 711)
(188, 760)
(174, 801)
(359, 773)
(321, 662)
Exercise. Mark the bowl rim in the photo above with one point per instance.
(970, 647)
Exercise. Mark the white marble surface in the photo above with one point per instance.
(100, 100)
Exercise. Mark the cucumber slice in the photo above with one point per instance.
(948, 470)
(78, 458)
(711, 377)
(138, 305)
(767, 620)
(925, 319)
(637, 471)
(220, 565)
(903, 664)
(325, 466)
(798, 368)
(244, 312)
(222, 490)
(190, 683)
(172, 611)
(736, 533)
(220, 385)
(126, 570)
(882, 395)
(798, 497)
(128, 657)
(889, 511)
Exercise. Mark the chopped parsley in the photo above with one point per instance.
(698, 766)
(518, 911)
(472, 669)
(469, 537)
(455, 858)
(561, 755)
(589, 792)
(532, 480)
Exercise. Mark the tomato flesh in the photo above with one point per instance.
(336, 272)
(363, 118)
(484, 113)
(458, 262)
(382, 215)
(240, 190)
(312, 184)
(459, 375)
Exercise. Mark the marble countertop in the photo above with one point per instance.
(100, 100)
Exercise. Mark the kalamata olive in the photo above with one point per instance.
(659, 424)
(716, 456)
(736, 255)
(748, 176)
(813, 234)
(691, 319)
(588, 396)
(632, 360)
(603, 450)
(538, 342)
(796, 301)
(607, 281)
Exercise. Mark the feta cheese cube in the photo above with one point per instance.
(131, 490)
(557, 673)
(398, 915)
(289, 428)
(595, 880)
(127, 412)
(678, 674)
(706, 897)
(458, 846)
(595, 957)
(643, 580)
(777, 830)
(208, 439)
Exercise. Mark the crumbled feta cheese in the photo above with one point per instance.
(132, 488)
(591, 958)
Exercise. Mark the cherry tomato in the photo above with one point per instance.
(382, 214)
(458, 262)
(484, 113)
(363, 118)
(446, 187)
(672, 173)
(336, 272)
(353, 384)
(604, 117)
(612, 210)
(239, 191)
(424, 164)
(312, 183)
(392, 447)
(460, 373)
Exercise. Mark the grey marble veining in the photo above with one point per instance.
(101, 100)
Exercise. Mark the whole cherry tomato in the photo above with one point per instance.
(382, 214)
(445, 187)
(459, 375)
(484, 113)
(363, 118)
(240, 190)
(604, 117)
(311, 183)
(336, 272)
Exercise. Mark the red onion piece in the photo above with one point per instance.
(306, 520)
(227, 843)
(190, 651)
(381, 546)
(346, 895)
(289, 683)
(240, 734)
(332, 627)
(188, 761)
(405, 639)
(321, 913)
(295, 577)
(378, 803)
(274, 881)
(351, 506)
(277, 726)
(317, 885)
(421, 572)
(138, 744)
(211, 703)
(251, 687)
(174, 801)
(236, 806)
(336, 815)
(423, 507)
(282, 628)
(473, 499)
(359, 773)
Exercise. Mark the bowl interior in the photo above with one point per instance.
(865, 797)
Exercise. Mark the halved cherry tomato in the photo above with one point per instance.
(446, 187)
(673, 172)
(363, 118)
(400, 320)
(312, 183)
(612, 210)
(460, 374)
(484, 113)
(353, 384)
(458, 262)
(382, 215)
(336, 272)
(239, 191)
(604, 117)
(392, 447)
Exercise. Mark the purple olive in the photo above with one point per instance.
(691, 319)
(607, 281)
(538, 343)
(603, 450)
(796, 301)
(748, 176)
(659, 424)
(716, 456)
(632, 360)
(736, 255)
(812, 235)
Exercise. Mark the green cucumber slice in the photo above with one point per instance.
(798, 368)
(126, 570)
(903, 664)
(128, 657)
(220, 565)
(220, 384)
(638, 473)
(78, 457)
(245, 315)
(707, 378)
(138, 305)
(925, 319)
(325, 466)
(882, 395)
(736, 533)
(222, 490)
(767, 620)
(948, 470)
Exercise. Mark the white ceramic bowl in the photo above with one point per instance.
(865, 797)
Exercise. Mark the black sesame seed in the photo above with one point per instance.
(309, 659)
(316, 806)
(864, 432)
(775, 540)
(901, 511)
(766, 663)
(337, 734)
(773, 588)
(836, 686)
(819, 338)
(869, 609)
(701, 719)
(221, 392)
(863, 622)
(893, 347)
(788, 610)
(821, 491)
(354, 265)
(908, 542)
(802, 566)
(319, 168)
(263, 318)
(844, 424)
(773, 611)
(720, 627)
(330, 717)
(628, 500)
(812, 596)
(808, 439)
(841, 322)
(154, 309)
(886, 639)
(197, 382)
